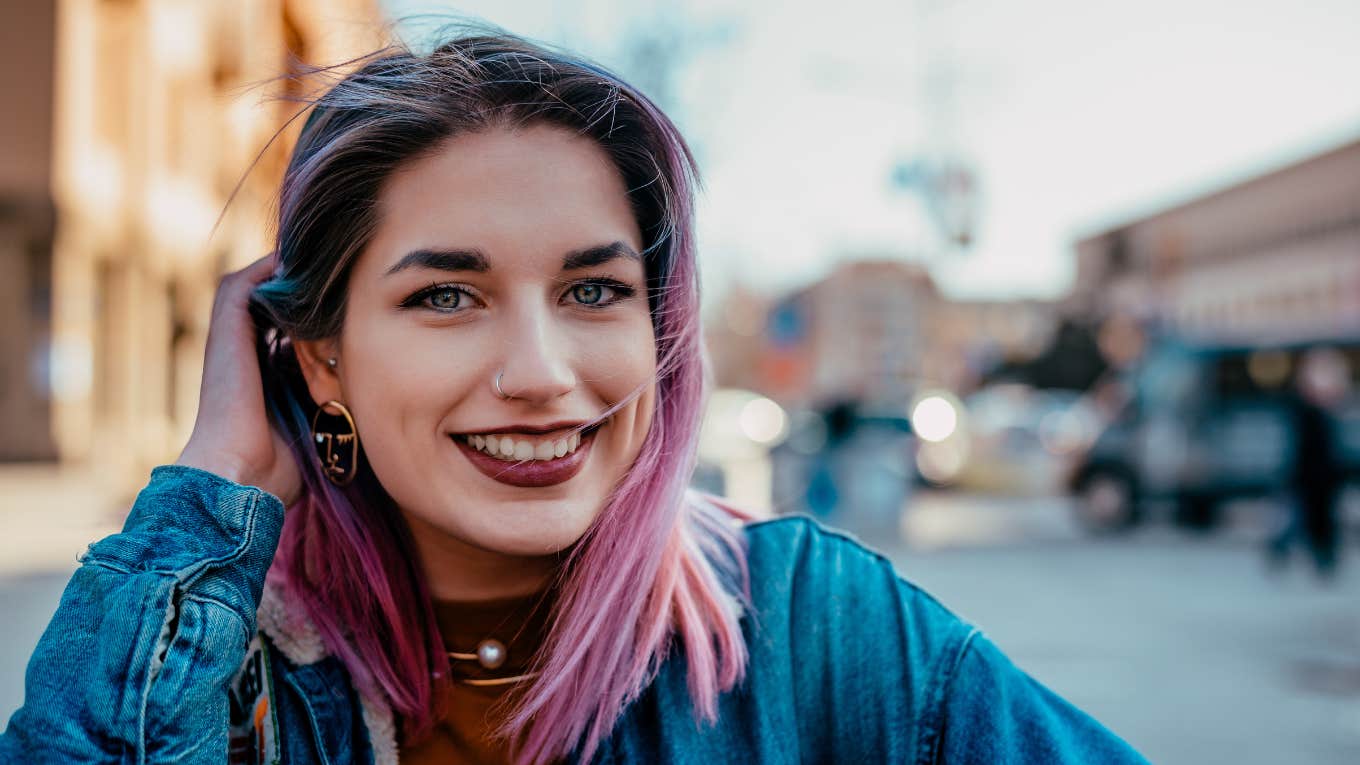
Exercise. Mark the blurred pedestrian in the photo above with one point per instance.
(827, 473)
(1316, 474)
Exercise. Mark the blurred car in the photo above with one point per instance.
(1202, 425)
(847, 464)
(1012, 439)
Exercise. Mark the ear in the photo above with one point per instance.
(323, 380)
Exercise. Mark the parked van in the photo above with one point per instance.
(1204, 424)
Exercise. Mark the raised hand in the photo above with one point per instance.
(232, 435)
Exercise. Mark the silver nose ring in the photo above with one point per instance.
(497, 383)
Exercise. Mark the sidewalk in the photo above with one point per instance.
(50, 514)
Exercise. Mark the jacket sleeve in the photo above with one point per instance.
(881, 671)
(995, 713)
(134, 666)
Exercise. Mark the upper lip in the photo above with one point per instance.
(533, 430)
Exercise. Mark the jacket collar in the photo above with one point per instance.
(284, 622)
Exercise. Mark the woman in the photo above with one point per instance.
(480, 352)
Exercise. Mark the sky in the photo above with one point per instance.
(1073, 115)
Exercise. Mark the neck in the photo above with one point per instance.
(457, 571)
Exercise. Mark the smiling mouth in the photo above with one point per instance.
(517, 469)
(512, 447)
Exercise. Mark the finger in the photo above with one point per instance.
(231, 332)
(262, 268)
(233, 290)
(258, 271)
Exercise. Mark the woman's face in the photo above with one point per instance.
(510, 252)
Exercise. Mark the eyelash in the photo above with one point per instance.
(622, 292)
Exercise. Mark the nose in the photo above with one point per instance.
(537, 364)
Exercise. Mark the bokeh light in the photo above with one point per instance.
(935, 417)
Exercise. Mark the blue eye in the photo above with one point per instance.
(588, 294)
(444, 299)
(592, 293)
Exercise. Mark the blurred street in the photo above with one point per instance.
(1185, 645)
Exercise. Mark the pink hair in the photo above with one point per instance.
(347, 555)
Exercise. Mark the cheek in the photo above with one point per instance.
(631, 363)
(621, 361)
(400, 380)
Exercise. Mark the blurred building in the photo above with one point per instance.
(1273, 259)
(131, 123)
(872, 331)
(734, 336)
(857, 334)
(969, 339)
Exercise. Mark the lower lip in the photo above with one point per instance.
(529, 473)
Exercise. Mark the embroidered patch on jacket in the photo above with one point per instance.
(254, 732)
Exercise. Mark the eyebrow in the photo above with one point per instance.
(443, 260)
(594, 256)
(475, 260)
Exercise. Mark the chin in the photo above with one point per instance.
(532, 532)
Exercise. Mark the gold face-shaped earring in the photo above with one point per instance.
(332, 447)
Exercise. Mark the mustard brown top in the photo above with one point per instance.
(471, 713)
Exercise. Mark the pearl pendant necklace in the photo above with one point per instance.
(491, 654)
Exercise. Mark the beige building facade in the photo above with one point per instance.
(138, 119)
(859, 333)
(875, 331)
(1273, 259)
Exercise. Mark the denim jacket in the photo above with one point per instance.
(168, 647)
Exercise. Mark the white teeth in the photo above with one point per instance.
(509, 448)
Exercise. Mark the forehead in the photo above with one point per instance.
(521, 196)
